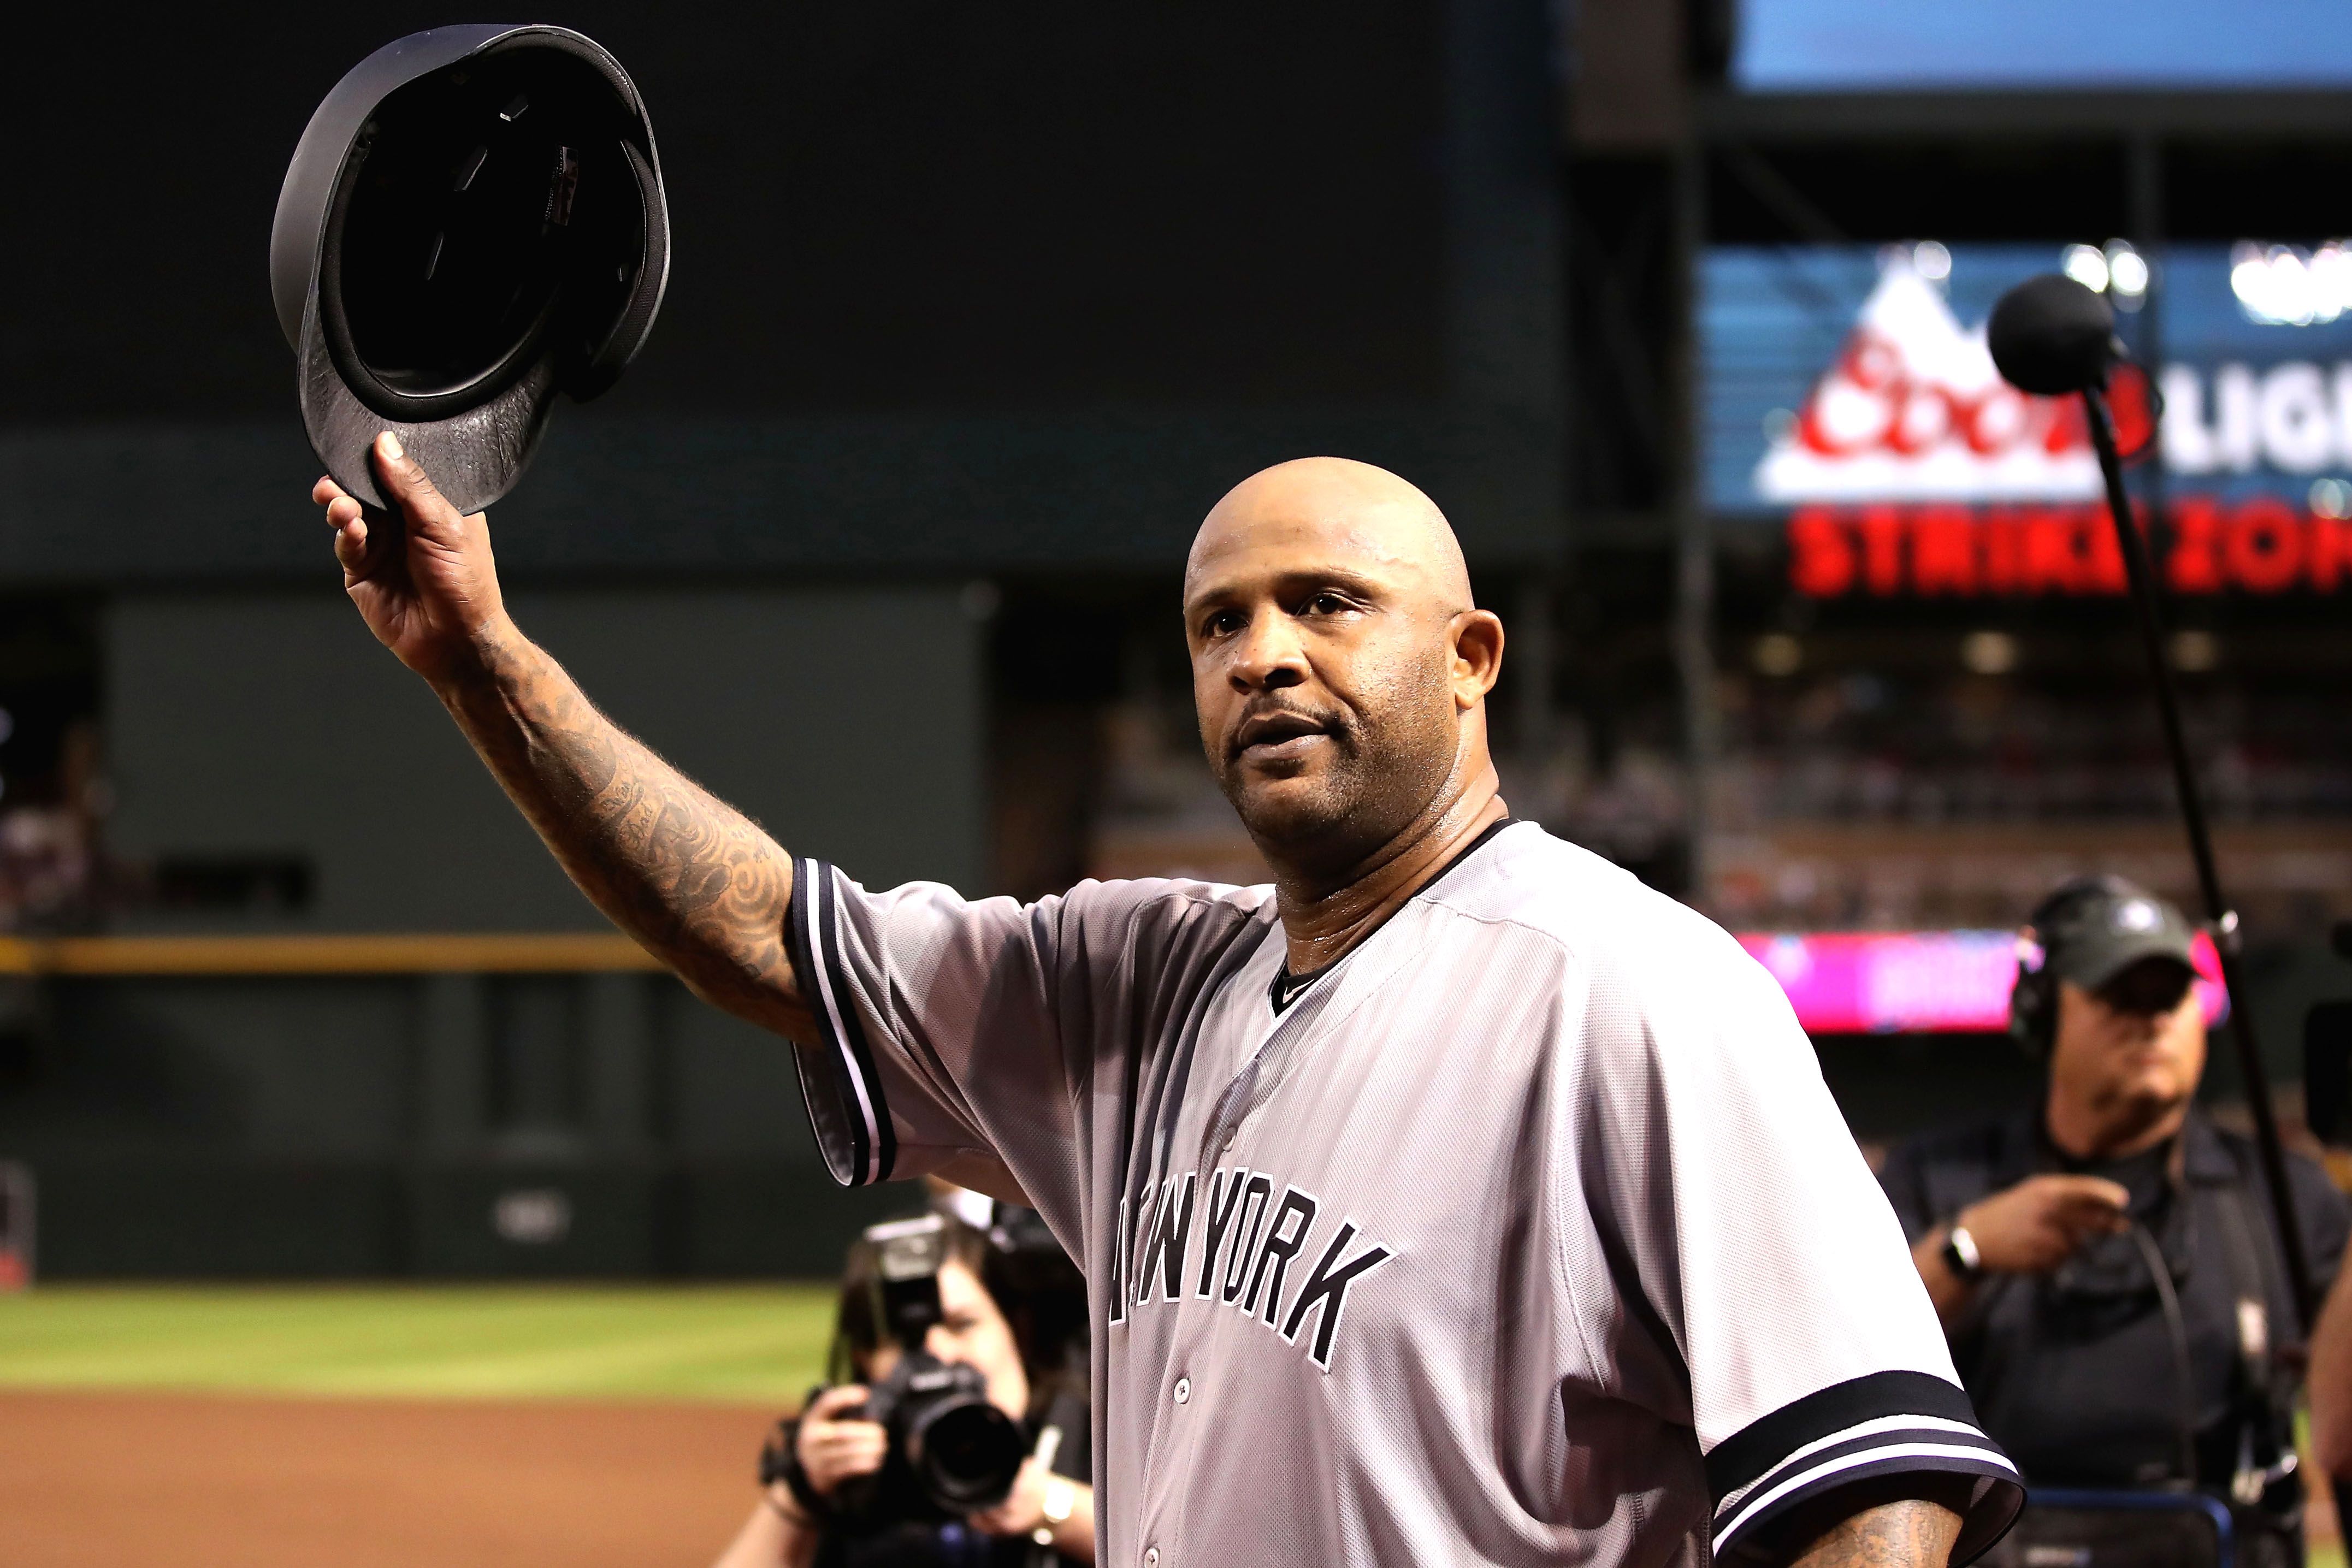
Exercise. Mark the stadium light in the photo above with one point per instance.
(2086, 264)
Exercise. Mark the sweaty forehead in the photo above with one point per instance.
(1328, 515)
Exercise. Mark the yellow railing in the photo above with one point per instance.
(484, 953)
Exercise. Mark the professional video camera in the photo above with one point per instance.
(951, 1451)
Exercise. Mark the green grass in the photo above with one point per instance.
(763, 1344)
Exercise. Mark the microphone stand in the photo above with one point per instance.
(2141, 573)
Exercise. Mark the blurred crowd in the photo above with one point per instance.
(52, 874)
(1849, 799)
(1857, 746)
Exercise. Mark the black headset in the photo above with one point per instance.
(2056, 921)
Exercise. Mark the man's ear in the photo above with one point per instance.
(1478, 640)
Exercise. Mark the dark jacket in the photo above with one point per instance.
(2078, 1373)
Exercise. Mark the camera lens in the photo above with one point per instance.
(966, 1453)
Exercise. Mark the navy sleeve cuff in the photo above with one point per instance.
(846, 1108)
(1886, 1424)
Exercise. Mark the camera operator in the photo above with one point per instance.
(997, 1326)
(2105, 1263)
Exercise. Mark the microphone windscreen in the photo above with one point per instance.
(2051, 335)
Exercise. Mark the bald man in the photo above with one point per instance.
(1455, 1200)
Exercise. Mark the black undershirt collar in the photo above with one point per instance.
(1288, 987)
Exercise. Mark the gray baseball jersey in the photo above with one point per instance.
(1526, 1233)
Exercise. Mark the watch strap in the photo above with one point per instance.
(1961, 1255)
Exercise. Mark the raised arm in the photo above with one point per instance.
(691, 878)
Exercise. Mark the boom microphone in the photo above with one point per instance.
(2051, 335)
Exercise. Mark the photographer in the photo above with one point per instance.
(2104, 1262)
(1002, 1310)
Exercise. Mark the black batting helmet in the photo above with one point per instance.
(473, 222)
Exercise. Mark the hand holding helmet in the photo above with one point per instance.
(424, 583)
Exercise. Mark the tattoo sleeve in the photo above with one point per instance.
(1909, 1533)
(691, 878)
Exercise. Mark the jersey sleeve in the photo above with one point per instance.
(1733, 1202)
(927, 1007)
(959, 1037)
(1905, 1182)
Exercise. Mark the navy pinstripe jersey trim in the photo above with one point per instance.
(1888, 1423)
(846, 1105)
(1742, 1459)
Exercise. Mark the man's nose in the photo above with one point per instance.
(1269, 656)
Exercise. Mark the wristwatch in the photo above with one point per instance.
(1061, 1497)
(1960, 1254)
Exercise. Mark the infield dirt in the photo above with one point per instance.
(98, 1480)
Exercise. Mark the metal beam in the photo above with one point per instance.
(1724, 115)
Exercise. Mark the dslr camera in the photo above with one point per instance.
(952, 1452)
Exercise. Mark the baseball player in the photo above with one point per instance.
(1453, 1199)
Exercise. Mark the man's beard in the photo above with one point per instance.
(1291, 814)
(1381, 778)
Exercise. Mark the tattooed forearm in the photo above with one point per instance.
(693, 879)
(1910, 1533)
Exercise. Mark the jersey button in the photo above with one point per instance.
(1183, 1389)
(1152, 1557)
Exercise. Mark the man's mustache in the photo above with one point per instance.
(1276, 722)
